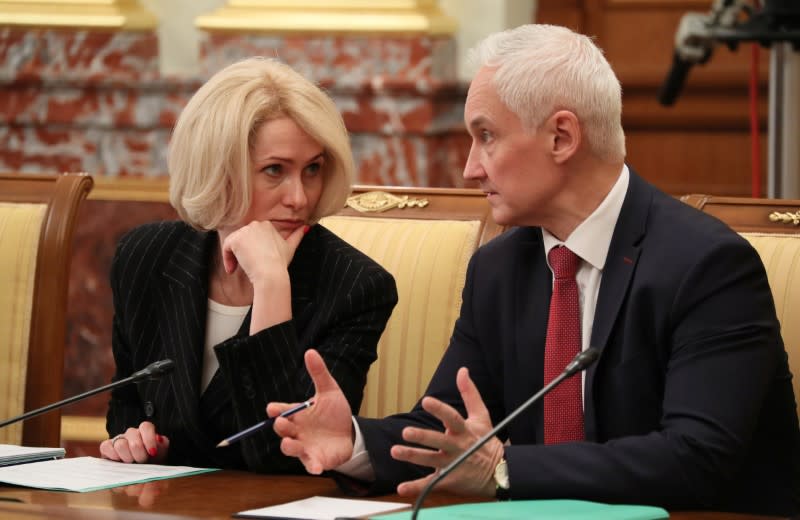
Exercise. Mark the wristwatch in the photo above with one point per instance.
(502, 490)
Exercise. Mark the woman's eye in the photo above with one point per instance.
(272, 170)
(313, 169)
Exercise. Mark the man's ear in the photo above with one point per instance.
(566, 132)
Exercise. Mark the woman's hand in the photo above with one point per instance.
(142, 445)
(264, 255)
(259, 249)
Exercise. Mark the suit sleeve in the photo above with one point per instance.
(268, 366)
(721, 325)
(463, 350)
(124, 410)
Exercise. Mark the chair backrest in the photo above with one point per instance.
(772, 226)
(427, 250)
(37, 219)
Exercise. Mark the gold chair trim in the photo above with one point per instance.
(379, 201)
(785, 217)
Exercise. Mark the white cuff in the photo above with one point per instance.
(359, 466)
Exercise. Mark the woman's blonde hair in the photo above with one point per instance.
(210, 151)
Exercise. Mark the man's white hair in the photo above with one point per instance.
(544, 68)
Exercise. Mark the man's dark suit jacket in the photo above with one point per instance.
(690, 404)
(341, 301)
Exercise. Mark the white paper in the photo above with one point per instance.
(324, 508)
(12, 454)
(88, 474)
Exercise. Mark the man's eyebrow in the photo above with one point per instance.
(478, 121)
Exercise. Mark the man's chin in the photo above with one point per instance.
(501, 217)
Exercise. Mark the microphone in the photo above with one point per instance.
(697, 35)
(693, 44)
(669, 90)
(579, 363)
(151, 371)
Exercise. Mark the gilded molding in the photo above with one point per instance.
(85, 14)
(133, 189)
(330, 16)
(379, 201)
(785, 218)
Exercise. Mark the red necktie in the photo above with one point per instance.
(563, 407)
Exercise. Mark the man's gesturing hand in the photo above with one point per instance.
(322, 436)
(475, 475)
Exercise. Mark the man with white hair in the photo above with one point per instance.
(690, 405)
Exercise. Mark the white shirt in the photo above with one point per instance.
(590, 241)
(223, 322)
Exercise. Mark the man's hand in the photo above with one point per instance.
(322, 436)
(475, 476)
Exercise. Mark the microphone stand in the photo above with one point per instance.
(151, 371)
(579, 363)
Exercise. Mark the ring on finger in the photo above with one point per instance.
(116, 438)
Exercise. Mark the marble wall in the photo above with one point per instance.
(88, 101)
(94, 101)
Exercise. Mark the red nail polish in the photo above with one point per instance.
(152, 452)
(159, 439)
(306, 229)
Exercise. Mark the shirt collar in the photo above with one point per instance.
(592, 238)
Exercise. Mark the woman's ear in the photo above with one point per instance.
(566, 131)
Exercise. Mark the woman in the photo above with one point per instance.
(246, 283)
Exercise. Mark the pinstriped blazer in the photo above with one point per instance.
(341, 301)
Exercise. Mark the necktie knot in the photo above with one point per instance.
(563, 261)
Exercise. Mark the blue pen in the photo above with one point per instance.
(263, 424)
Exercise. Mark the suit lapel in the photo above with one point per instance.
(532, 302)
(623, 255)
(304, 273)
(184, 304)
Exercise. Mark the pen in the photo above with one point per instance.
(263, 424)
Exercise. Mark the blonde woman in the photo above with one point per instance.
(246, 282)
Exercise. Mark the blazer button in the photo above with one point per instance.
(149, 409)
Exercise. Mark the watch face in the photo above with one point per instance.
(501, 475)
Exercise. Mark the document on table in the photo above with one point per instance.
(84, 474)
(11, 454)
(323, 508)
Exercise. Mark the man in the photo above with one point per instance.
(690, 405)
